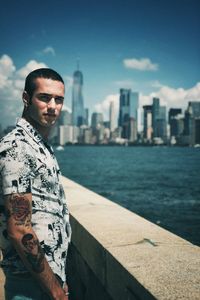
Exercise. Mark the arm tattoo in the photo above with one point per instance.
(33, 252)
(20, 210)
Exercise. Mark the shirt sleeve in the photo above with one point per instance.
(15, 171)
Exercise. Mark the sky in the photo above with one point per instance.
(149, 46)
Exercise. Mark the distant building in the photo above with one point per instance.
(140, 120)
(195, 108)
(162, 123)
(132, 130)
(155, 116)
(191, 134)
(159, 121)
(197, 131)
(86, 116)
(65, 118)
(148, 130)
(174, 122)
(97, 120)
(106, 124)
(112, 116)
(87, 136)
(65, 134)
(128, 105)
(78, 112)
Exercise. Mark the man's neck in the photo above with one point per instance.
(43, 131)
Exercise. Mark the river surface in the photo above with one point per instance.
(161, 184)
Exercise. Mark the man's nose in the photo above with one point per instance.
(52, 103)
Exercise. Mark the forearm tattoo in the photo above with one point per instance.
(33, 252)
(20, 210)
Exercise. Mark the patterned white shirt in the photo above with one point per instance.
(28, 165)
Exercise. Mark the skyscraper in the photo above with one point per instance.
(97, 120)
(155, 116)
(86, 116)
(112, 116)
(195, 106)
(78, 112)
(191, 123)
(128, 113)
(159, 121)
(147, 123)
(174, 120)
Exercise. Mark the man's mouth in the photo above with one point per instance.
(50, 115)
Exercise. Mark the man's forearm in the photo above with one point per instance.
(31, 253)
(25, 241)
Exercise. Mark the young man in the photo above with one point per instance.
(34, 230)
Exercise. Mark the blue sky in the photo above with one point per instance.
(150, 46)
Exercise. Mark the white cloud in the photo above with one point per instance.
(143, 64)
(49, 50)
(11, 88)
(156, 84)
(30, 66)
(6, 65)
(7, 69)
(173, 98)
(104, 106)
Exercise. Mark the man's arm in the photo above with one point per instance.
(18, 211)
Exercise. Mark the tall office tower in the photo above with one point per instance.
(140, 119)
(128, 112)
(97, 120)
(196, 114)
(65, 118)
(197, 131)
(112, 116)
(162, 123)
(78, 113)
(195, 106)
(195, 109)
(155, 116)
(148, 130)
(86, 116)
(173, 117)
(132, 130)
(191, 123)
(189, 126)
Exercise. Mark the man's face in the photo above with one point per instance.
(46, 103)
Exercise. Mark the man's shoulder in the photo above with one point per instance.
(11, 140)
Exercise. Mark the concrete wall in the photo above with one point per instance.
(115, 254)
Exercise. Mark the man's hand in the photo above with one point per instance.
(65, 288)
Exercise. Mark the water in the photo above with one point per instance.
(160, 184)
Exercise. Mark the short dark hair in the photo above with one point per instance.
(30, 85)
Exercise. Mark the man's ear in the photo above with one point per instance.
(26, 98)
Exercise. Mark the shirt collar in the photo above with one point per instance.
(32, 132)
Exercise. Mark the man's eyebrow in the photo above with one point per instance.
(51, 95)
(45, 94)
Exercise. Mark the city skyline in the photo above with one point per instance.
(151, 47)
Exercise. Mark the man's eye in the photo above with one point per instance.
(59, 100)
(44, 98)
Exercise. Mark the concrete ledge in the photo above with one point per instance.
(130, 257)
(117, 255)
